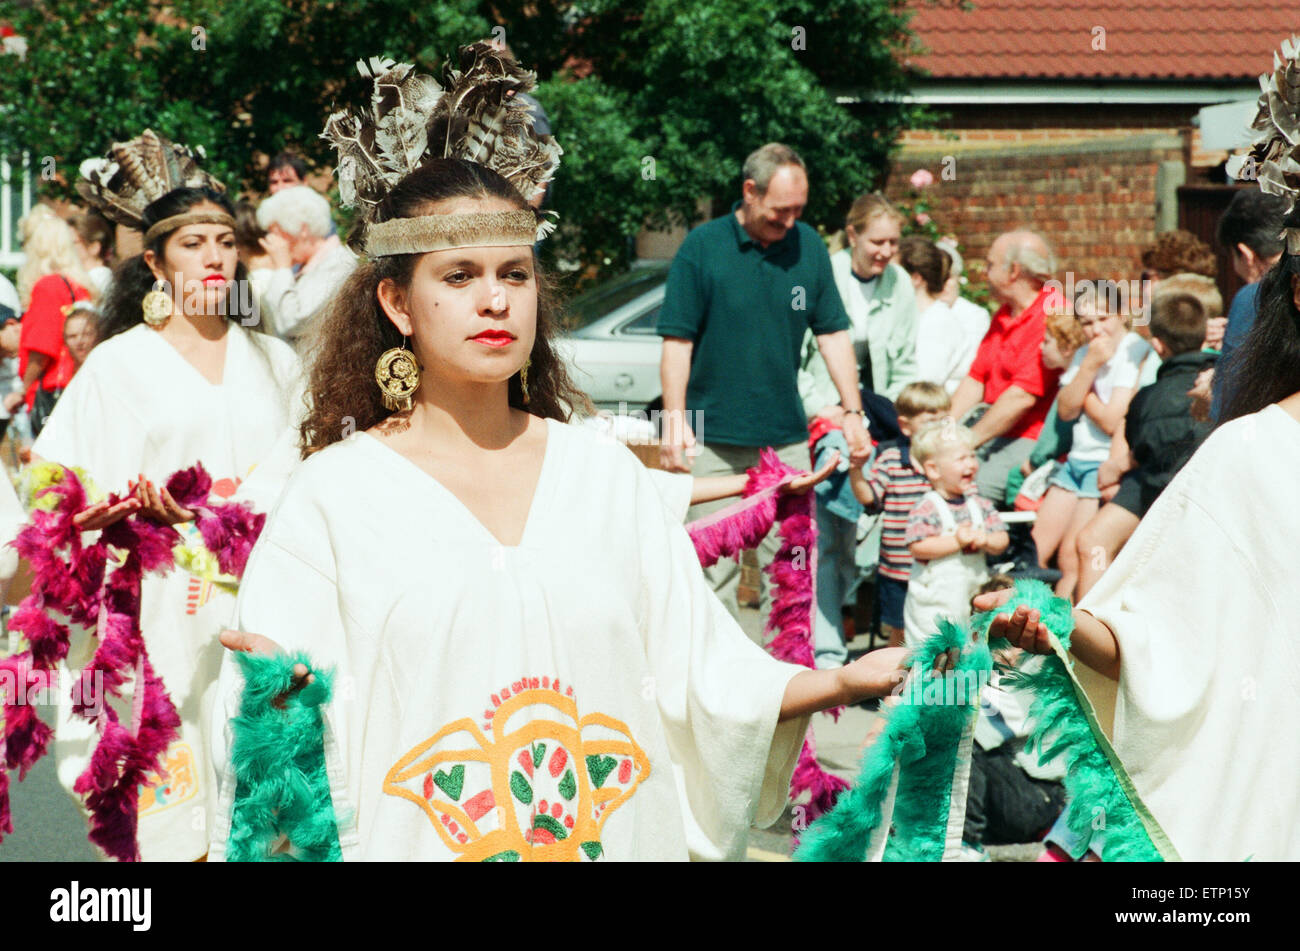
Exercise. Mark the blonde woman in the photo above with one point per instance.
(881, 304)
(51, 280)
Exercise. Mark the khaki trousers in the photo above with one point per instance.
(724, 577)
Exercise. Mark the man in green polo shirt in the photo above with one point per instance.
(742, 291)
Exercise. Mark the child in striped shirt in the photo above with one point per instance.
(894, 485)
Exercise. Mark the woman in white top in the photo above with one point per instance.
(192, 386)
(974, 319)
(940, 336)
(528, 661)
(878, 298)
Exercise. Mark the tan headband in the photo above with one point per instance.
(188, 218)
(443, 232)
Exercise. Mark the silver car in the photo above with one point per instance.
(611, 349)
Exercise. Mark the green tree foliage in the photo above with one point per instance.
(656, 103)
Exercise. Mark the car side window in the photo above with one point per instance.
(645, 324)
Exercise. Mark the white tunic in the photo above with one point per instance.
(138, 406)
(1204, 600)
(582, 694)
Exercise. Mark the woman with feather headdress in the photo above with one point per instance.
(518, 655)
(179, 378)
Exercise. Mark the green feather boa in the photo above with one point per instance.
(921, 737)
(1103, 808)
(278, 756)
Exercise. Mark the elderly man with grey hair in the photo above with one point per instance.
(742, 291)
(1008, 373)
(298, 235)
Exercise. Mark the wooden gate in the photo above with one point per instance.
(1199, 210)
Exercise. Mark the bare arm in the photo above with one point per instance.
(36, 364)
(1109, 416)
(837, 351)
(861, 487)
(1070, 399)
(968, 393)
(1003, 414)
(872, 675)
(712, 488)
(674, 372)
(1092, 642)
(995, 543)
(936, 546)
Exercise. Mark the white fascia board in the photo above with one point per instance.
(1045, 92)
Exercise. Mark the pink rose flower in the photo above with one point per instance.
(921, 178)
(922, 219)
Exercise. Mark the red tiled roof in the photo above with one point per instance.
(1149, 39)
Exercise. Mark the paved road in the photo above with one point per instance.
(49, 827)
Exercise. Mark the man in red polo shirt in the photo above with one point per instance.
(1008, 372)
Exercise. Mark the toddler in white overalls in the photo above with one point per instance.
(948, 532)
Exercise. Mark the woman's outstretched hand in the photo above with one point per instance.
(248, 643)
(144, 498)
(800, 485)
(99, 516)
(874, 674)
(157, 503)
(1023, 627)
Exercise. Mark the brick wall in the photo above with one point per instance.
(1094, 199)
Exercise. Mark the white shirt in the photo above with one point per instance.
(975, 322)
(1091, 444)
(940, 346)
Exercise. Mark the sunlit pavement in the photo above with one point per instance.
(839, 750)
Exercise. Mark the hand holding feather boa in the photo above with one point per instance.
(98, 586)
(729, 531)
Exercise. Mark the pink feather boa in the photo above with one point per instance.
(71, 579)
(793, 572)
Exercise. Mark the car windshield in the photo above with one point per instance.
(608, 297)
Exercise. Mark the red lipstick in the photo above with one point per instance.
(494, 338)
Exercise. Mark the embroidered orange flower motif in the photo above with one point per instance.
(539, 788)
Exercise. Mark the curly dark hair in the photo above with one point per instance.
(354, 331)
(133, 279)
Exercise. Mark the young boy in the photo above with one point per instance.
(894, 485)
(948, 533)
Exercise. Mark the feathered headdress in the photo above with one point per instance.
(476, 114)
(1276, 149)
(137, 173)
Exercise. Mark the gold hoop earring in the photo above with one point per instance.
(523, 378)
(398, 376)
(157, 308)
